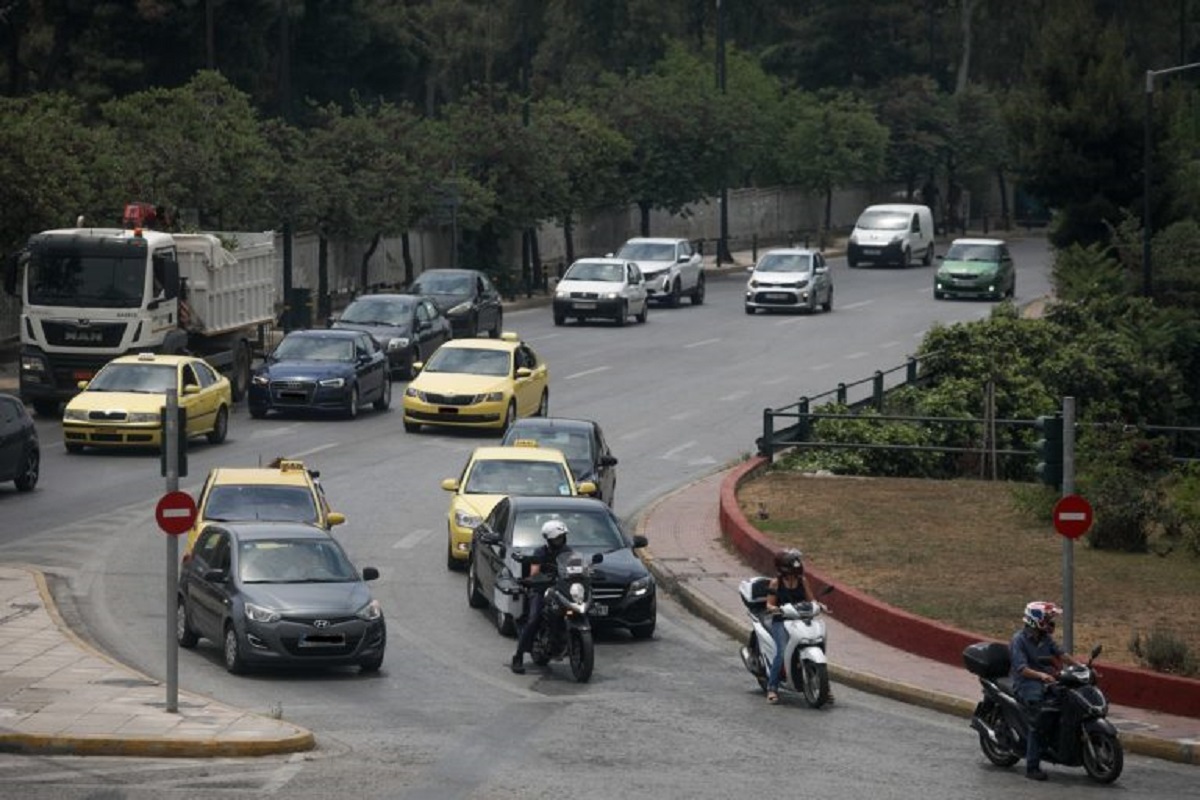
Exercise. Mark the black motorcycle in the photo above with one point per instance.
(566, 631)
(1075, 730)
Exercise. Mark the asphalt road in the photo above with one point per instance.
(675, 716)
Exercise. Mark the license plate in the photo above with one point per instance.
(447, 410)
(585, 305)
(870, 251)
(323, 640)
(778, 296)
(598, 610)
(84, 375)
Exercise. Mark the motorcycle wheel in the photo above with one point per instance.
(998, 754)
(1103, 756)
(756, 657)
(583, 656)
(816, 683)
(541, 648)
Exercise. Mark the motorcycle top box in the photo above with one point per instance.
(987, 659)
(753, 592)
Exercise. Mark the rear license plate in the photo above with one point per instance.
(585, 305)
(598, 610)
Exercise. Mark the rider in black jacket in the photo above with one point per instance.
(544, 561)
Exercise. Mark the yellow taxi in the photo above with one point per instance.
(120, 406)
(478, 383)
(283, 491)
(493, 473)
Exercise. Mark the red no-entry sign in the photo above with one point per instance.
(175, 512)
(1072, 516)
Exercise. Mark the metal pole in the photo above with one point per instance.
(170, 445)
(723, 254)
(1068, 487)
(1146, 166)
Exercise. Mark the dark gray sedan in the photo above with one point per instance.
(20, 456)
(278, 593)
(407, 327)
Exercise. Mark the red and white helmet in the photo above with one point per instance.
(1042, 615)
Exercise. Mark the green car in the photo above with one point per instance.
(975, 268)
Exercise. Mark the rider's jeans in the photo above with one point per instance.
(529, 632)
(1033, 696)
(779, 634)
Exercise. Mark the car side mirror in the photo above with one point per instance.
(424, 325)
(450, 484)
(940, 257)
(215, 576)
(81, 385)
(417, 366)
(524, 372)
(370, 574)
(608, 461)
(750, 269)
(586, 488)
(191, 388)
(608, 255)
(640, 541)
(487, 535)
(597, 558)
(335, 518)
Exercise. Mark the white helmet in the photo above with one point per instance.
(555, 533)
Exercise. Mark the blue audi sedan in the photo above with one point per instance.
(336, 371)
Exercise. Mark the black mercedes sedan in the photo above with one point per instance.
(623, 590)
(407, 327)
(278, 593)
(322, 370)
(467, 298)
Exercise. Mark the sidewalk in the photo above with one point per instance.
(691, 559)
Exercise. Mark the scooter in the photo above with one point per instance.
(566, 631)
(804, 663)
(1076, 731)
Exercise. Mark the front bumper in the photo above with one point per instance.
(55, 377)
(285, 395)
(486, 414)
(587, 307)
(90, 434)
(658, 284)
(777, 297)
(890, 253)
(614, 606)
(347, 640)
(983, 286)
(460, 541)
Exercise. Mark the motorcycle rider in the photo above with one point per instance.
(544, 560)
(790, 585)
(1032, 654)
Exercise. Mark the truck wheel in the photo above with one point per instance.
(698, 292)
(239, 379)
(46, 408)
(220, 427)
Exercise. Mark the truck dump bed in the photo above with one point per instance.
(226, 290)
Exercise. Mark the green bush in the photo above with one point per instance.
(1122, 476)
(1161, 651)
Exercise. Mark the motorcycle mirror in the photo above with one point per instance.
(1096, 650)
(597, 558)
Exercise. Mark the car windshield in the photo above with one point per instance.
(314, 348)
(960, 251)
(441, 283)
(378, 311)
(884, 221)
(540, 478)
(293, 561)
(141, 378)
(243, 502)
(785, 262)
(593, 528)
(594, 271)
(469, 360)
(575, 445)
(647, 251)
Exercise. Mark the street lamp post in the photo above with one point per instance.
(1147, 284)
(723, 254)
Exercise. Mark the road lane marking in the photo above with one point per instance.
(886, 345)
(682, 415)
(591, 371)
(315, 450)
(635, 434)
(735, 396)
(779, 379)
(700, 343)
(412, 539)
(850, 306)
(859, 354)
(674, 451)
(819, 367)
(543, 337)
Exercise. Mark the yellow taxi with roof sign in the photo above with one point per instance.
(492, 473)
(283, 491)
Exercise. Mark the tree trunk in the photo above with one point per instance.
(406, 254)
(644, 207)
(964, 63)
(1005, 221)
(568, 240)
(364, 277)
(535, 257)
(324, 306)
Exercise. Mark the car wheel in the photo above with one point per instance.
(498, 326)
(73, 448)
(184, 635)
(906, 258)
(385, 397)
(750, 310)
(698, 292)
(475, 597)
(828, 304)
(928, 260)
(641, 316)
(351, 410)
(412, 427)
(239, 380)
(46, 408)
(560, 319)
(543, 409)
(232, 651)
(510, 416)
(408, 373)
(452, 563)
(1012, 289)
(673, 297)
(641, 632)
(371, 664)
(851, 262)
(505, 624)
(938, 295)
(220, 427)
(622, 315)
(258, 412)
(31, 463)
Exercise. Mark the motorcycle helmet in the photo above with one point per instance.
(789, 562)
(1041, 615)
(555, 533)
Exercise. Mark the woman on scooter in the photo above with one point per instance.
(790, 585)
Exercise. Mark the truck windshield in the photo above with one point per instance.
(79, 279)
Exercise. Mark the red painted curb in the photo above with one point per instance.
(1129, 686)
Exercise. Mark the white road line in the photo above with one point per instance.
(788, 321)
(543, 338)
(412, 539)
(819, 367)
(849, 306)
(735, 396)
(700, 343)
(682, 415)
(774, 381)
(635, 434)
(859, 354)
(674, 451)
(315, 450)
(592, 371)
(886, 345)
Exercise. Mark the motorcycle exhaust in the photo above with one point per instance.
(979, 726)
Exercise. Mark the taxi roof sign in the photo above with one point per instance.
(525, 443)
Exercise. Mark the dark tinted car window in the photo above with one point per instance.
(593, 528)
(293, 561)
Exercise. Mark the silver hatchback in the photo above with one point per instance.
(792, 279)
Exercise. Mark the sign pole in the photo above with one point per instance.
(170, 444)
(1068, 488)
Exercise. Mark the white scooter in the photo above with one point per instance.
(804, 662)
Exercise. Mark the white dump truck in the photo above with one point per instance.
(89, 295)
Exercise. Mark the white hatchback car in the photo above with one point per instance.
(790, 278)
(611, 288)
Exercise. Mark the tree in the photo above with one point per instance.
(916, 116)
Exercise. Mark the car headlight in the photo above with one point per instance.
(800, 284)
(461, 308)
(143, 417)
(333, 383)
(256, 613)
(260, 380)
(466, 519)
(415, 393)
(370, 612)
(577, 592)
(399, 343)
(75, 415)
(640, 586)
(490, 397)
(562, 294)
(32, 364)
(612, 295)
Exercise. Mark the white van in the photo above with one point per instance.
(892, 234)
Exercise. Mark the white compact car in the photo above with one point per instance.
(610, 288)
(790, 278)
(672, 268)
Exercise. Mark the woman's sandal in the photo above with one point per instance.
(772, 697)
